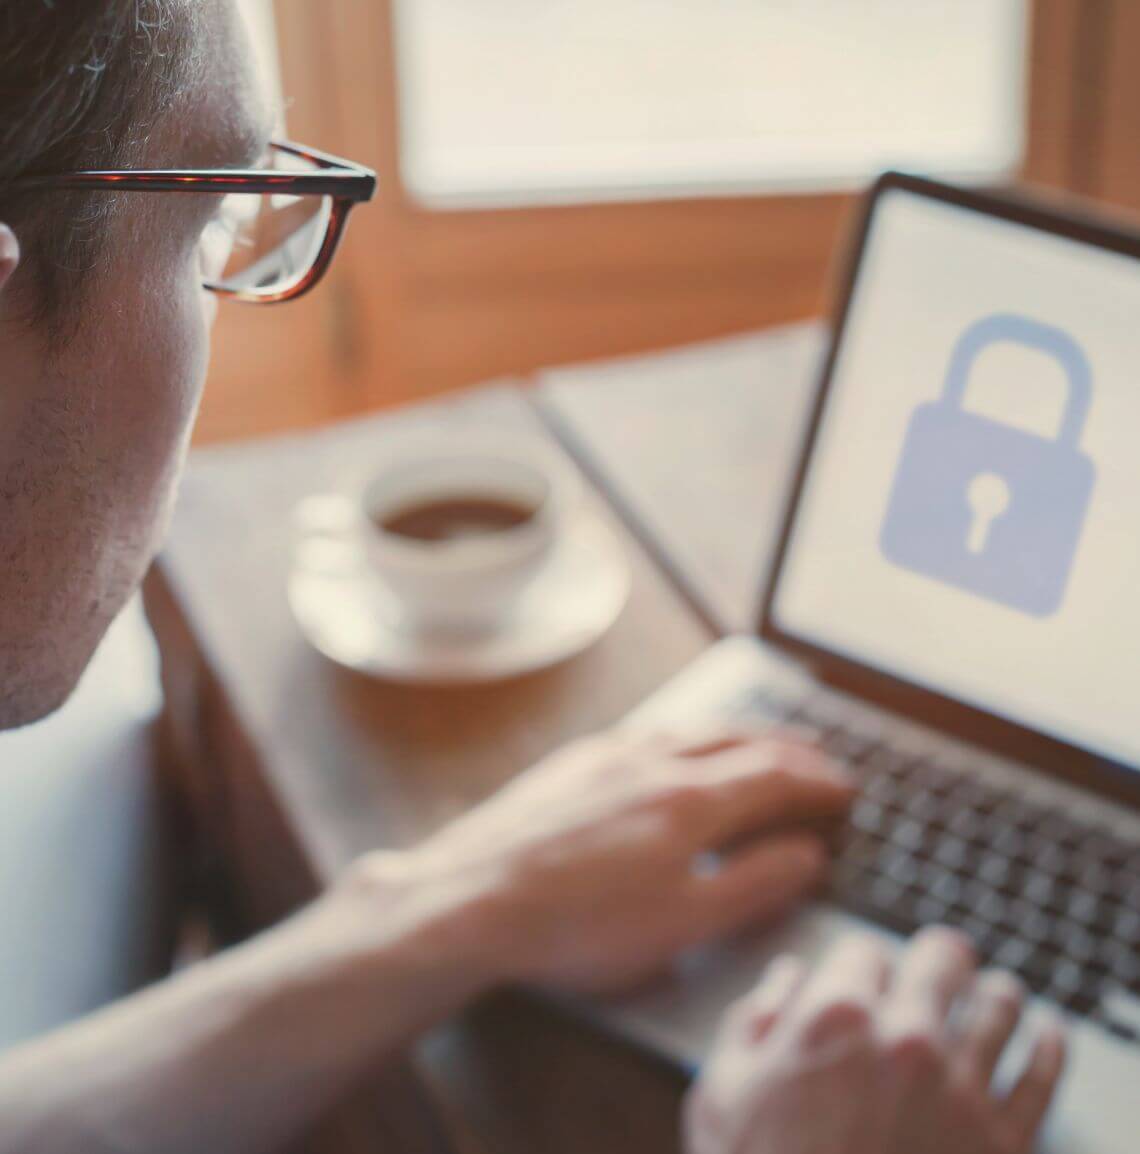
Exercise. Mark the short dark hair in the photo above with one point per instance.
(82, 82)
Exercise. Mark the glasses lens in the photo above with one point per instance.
(265, 243)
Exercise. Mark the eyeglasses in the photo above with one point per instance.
(276, 229)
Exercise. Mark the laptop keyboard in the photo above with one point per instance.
(1040, 893)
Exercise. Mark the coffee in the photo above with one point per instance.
(455, 518)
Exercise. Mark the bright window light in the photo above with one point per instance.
(258, 15)
(514, 101)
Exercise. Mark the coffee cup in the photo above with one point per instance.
(458, 531)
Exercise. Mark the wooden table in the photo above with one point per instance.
(292, 767)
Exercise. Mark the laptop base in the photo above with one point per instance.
(1096, 1110)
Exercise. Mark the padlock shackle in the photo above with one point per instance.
(1054, 342)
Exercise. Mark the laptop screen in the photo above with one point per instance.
(969, 517)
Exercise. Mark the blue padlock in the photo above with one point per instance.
(1033, 493)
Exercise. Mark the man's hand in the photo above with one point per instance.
(590, 871)
(865, 1057)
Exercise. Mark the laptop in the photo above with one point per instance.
(954, 608)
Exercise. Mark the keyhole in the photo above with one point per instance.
(988, 497)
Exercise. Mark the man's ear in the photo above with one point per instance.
(9, 255)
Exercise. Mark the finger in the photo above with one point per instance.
(1025, 1106)
(843, 994)
(705, 740)
(702, 741)
(750, 1019)
(935, 969)
(991, 1016)
(756, 884)
(769, 753)
(754, 791)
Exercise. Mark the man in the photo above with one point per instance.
(577, 877)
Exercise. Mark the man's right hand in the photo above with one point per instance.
(592, 870)
(864, 1056)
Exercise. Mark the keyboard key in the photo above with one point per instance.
(1122, 963)
(947, 889)
(1028, 921)
(1126, 927)
(899, 866)
(1101, 845)
(973, 794)
(1084, 907)
(933, 778)
(908, 834)
(1028, 961)
(990, 906)
(1125, 888)
(884, 893)
(1016, 811)
(881, 789)
(996, 870)
(1073, 942)
(1060, 830)
(967, 824)
(867, 815)
(1070, 987)
(923, 806)
(1093, 875)
(1049, 858)
(1014, 954)
(1037, 971)
(1040, 889)
(952, 852)
(929, 911)
(848, 745)
(1010, 842)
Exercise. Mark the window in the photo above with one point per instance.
(263, 36)
(517, 101)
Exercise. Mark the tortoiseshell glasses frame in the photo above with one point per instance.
(342, 183)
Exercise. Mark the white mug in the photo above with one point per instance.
(466, 583)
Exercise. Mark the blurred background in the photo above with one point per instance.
(569, 179)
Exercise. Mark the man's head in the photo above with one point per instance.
(104, 328)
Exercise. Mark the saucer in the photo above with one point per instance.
(348, 613)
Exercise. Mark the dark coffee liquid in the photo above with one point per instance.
(453, 518)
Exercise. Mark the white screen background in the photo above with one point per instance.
(929, 270)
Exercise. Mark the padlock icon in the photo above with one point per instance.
(985, 506)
